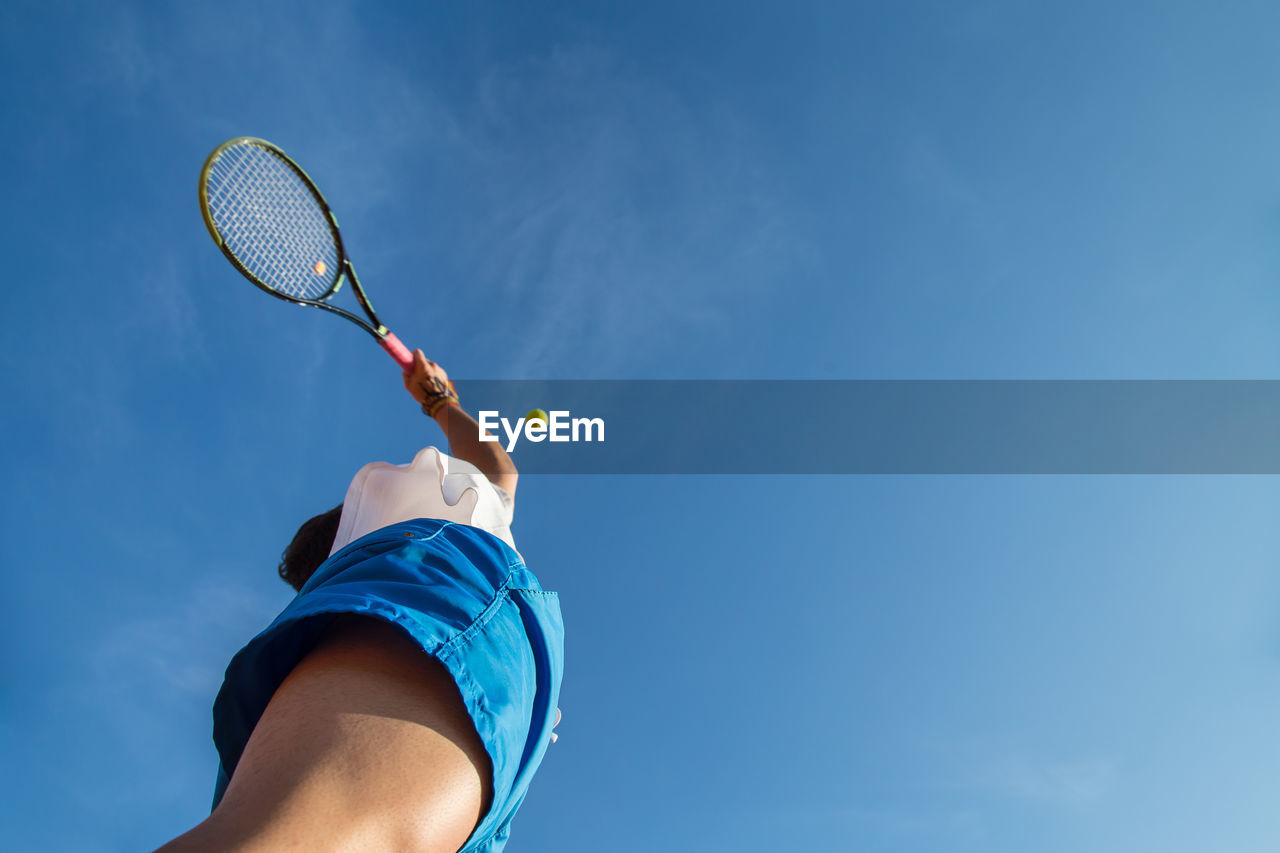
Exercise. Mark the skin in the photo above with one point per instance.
(428, 382)
(366, 745)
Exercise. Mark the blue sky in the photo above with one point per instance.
(684, 191)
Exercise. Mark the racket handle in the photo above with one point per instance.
(398, 351)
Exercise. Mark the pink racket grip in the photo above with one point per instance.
(398, 351)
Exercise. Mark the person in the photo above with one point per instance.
(405, 697)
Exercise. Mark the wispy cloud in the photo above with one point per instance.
(1064, 777)
(932, 176)
(603, 212)
(162, 307)
(922, 822)
(120, 57)
(612, 214)
(142, 691)
(183, 649)
(1068, 782)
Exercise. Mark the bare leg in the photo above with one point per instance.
(365, 746)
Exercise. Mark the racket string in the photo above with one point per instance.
(272, 222)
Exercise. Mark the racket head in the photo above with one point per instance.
(270, 220)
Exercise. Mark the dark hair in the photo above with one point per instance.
(310, 547)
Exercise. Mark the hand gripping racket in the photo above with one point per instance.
(269, 219)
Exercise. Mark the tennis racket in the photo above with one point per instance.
(272, 223)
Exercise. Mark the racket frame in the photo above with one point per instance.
(385, 338)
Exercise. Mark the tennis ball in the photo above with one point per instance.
(537, 415)
(319, 268)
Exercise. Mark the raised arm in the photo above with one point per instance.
(429, 385)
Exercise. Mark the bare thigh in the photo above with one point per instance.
(365, 746)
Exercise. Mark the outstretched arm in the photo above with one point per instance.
(429, 385)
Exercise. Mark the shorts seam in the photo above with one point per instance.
(479, 844)
(500, 597)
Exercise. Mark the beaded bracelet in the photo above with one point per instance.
(438, 404)
(434, 404)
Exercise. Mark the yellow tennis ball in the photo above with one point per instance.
(319, 267)
(537, 415)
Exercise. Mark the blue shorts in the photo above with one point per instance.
(467, 599)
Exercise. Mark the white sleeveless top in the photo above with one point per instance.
(433, 485)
